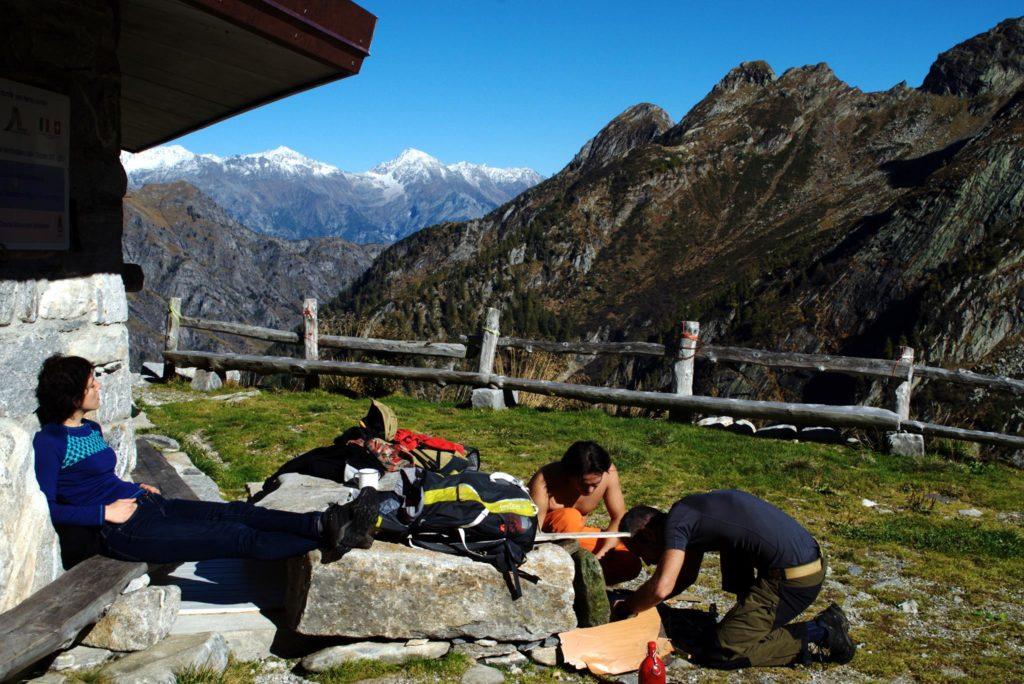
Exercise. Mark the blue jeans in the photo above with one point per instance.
(177, 531)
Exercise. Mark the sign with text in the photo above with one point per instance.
(33, 167)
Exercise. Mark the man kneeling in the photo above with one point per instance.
(750, 535)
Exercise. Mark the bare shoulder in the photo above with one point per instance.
(540, 478)
(613, 476)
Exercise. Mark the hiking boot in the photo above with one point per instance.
(335, 521)
(364, 511)
(838, 647)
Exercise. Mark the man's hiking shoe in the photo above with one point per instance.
(365, 509)
(838, 647)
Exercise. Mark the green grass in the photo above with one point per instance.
(953, 538)
(820, 485)
(446, 669)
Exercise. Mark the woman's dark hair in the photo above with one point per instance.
(583, 458)
(61, 387)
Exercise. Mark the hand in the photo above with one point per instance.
(149, 488)
(119, 511)
(620, 611)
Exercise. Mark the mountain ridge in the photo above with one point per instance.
(189, 247)
(790, 212)
(283, 193)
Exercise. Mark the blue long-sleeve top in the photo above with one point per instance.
(75, 470)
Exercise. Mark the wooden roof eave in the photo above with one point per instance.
(229, 55)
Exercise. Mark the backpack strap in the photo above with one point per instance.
(512, 582)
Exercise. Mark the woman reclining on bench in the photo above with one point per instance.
(75, 469)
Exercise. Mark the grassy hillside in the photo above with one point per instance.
(965, 574)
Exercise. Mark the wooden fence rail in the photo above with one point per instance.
(822, 363)
(680, 401)
(845, 416)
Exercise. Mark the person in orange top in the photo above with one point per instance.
(569, 490)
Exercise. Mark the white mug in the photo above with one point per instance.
(368, 477)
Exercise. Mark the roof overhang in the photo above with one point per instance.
(186, 64)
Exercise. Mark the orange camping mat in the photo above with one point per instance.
(616, 647)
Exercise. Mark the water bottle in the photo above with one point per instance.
(652, 669)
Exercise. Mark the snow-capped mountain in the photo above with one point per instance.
(284, 193)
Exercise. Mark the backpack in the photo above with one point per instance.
(434, 453)
(488, 517)
(409, 448)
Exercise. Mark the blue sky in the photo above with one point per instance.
(527, 83)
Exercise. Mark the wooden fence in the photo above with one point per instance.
(902, 371)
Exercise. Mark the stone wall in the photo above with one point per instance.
(70, 301)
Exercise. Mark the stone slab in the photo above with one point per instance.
(174, 654)
(304, 493)
(81, 658)
(162, 442)
(153, 369)
(477, 650)
(481, 674)
(392, 653)
(331, 600)
(510, 660)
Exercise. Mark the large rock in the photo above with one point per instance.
(23, 349)
(304, 493)
(158, 665)
(137, 620)
(591, 605)
(905, 444)
(101, 344)
(29, 552)
(121, 438)
(397, 592)
(392, 653)
(115, 396)
(487, 398)
(206, 381)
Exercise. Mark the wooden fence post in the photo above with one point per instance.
(489, 346)
(173, 333)
(682, 369)
(311, 337)
(904, 370)
(487, 397)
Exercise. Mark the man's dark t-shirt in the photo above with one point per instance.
(747, 531)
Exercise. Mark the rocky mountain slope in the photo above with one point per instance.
(283, 193)
(790, 212)
(189, 247)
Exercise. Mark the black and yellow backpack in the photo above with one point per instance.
(488, 517)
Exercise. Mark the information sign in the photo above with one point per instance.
(33, 167)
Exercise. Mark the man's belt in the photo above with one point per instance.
(798, 571)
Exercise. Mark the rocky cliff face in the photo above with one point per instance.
(786, 212)
(190, 248)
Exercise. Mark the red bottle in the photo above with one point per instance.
(652, 670)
